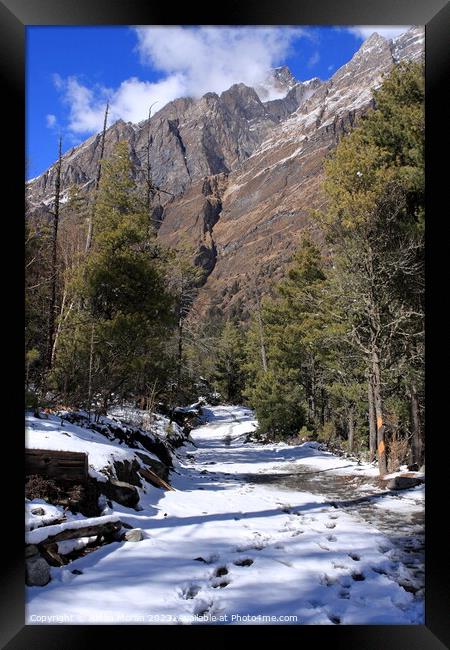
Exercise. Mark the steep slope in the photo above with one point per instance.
(268, 199)
(190, 139)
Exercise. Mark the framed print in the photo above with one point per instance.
(227, 405)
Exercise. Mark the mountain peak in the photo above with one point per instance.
(374, 40)
(284, 76)
(278, 82)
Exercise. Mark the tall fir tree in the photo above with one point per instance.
(124, 315)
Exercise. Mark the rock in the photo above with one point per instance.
(121, 492)
(134, 535)
(31, 550)
(413, 468)
(403, 482)
(38, 512)
(159, 468)
(51, 555)
(77, 572)
(37, 571)
(127, 472)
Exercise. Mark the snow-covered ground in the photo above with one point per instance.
(54, 432)
(226, 550)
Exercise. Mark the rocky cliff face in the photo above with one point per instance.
(243, 171)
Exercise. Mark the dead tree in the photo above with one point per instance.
(151, 190)
(97, 180)
(54, 262)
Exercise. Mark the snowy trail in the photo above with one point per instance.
(222, 549)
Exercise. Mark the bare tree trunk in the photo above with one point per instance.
(313, 393)
(91, 357)
(52, 307)
(378, 404)
(416, 445)
(104, 409)
(62, 319)
(372, 421)
(322, 406)
(150, 402)
(150, 186)
(351, 429)
(97, 180)
(180, 353)
(261, 333)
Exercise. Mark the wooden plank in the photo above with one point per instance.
(71, 466)
(154, 479)
(107, 528)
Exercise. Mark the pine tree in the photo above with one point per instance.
(115, 341)
(183, 280)
(374, 184)
(230, 373)
(292, 375)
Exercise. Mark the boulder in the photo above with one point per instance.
(134, 535)
(403, 482)
(121, 492)
(159, 468)
(37, 571)
(31, 550)
(127, 471)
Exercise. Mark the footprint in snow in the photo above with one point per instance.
(344, 593)
(190, 591)
(331, 538)
(334, 619)
(326, 580)
(379, 570)
(354, 557)
(358, 577)
(217, 580)
(243, 562)
(330, 524)
(220, 571)
(345, 581)
(322, 546)
(209, 559)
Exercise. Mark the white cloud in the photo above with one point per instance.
(211, 59)
(193, 61)
(387, 31)
(50, 120)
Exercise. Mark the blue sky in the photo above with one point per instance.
(72, 71)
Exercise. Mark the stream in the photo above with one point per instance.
(359, 496)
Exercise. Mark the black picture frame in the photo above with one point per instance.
(15, 15)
